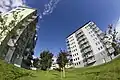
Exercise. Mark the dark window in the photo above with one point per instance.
(101, 47)
(98, 48)
(96, 43)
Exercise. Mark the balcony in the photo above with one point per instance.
(30, 20)
(93, 26)
(108, 45)
(80, 35)
(83, 42)
(81, 38)
(91, 61)
(85, 46)
(89, 56)
(86, 51)
(97, 30)
(34, 17)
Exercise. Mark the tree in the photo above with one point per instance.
(110, 39)
(36, 63)
(62, 60)
(46, 60)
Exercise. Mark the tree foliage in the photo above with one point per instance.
(46, 60)
(36, 63)
(110, 35)
(62, 60)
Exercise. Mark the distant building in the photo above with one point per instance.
(86, 47)
(54, 63)
(18, 48)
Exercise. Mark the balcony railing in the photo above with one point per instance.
(81, 38)
(85, 46)
(86, 51)
(80, 35)
(90, 55)
(82, 42)
(34, 17)
(91, 61)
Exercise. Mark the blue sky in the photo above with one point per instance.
(68, 16)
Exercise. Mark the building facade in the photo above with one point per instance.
(18, 40)
(54, 63)
(86, 47)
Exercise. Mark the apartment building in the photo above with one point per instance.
(86, 47)
(17, 42)
(54, 63)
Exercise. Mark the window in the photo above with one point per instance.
(75, 49)
(75, 54)
(96, 43)
(74, 59)
(23, 9)
(98, 48)
(75, 64)
(101, 47)
(78, 58)
(79, 62)
(95, 38)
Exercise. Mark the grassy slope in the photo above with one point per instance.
(109, 71)
(10, 72)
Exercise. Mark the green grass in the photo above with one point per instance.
(10, 72)
(109, 71)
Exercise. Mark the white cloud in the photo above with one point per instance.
(6, 5)
(50, 6)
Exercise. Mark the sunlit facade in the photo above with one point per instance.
(86, 47)
(17, 42)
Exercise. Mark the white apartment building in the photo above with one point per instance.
(86, 47)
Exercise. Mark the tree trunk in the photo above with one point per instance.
(63, 71)
(47, 71)
(105, 60)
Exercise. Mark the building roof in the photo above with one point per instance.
(79, 28)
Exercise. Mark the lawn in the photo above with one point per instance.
(109, 71)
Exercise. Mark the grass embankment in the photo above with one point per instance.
(10, 72)
(109, 71)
